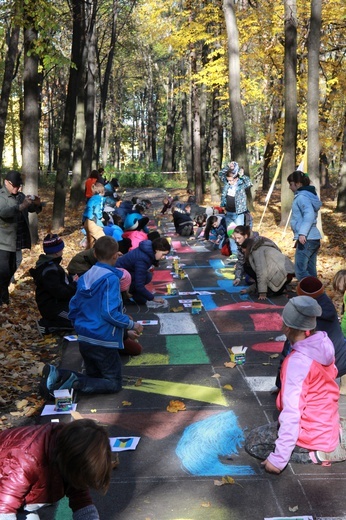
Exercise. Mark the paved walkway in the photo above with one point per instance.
(177, 468)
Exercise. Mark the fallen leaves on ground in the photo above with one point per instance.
(224, 480)
(175, 406)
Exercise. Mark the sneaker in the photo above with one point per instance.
(50, 375)
(338, 455)
(283, 337)
(66, 382)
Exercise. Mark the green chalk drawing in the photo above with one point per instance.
(186, 350)
(148, 359)
(205, 394)
(63, 511)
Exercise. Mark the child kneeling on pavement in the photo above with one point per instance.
(309, 427)
(96, 312)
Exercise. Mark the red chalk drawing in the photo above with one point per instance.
(266, 321)
(180, 248)
(268, 346)
(247, 306)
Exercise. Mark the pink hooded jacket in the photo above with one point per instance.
(308, 400)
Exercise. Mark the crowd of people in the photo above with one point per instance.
(115, 267)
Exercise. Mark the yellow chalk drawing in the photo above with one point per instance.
(205, 394)
(148, 359)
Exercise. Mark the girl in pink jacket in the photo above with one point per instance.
(309, 424)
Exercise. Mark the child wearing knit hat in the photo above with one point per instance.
(309, 424)
(54, 287)
(327, 322)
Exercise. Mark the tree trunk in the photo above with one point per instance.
(186, 135)
(290, 129)
(341, 201)
(196, 134)
(31, 120)
(106, 81)
(238, 121)
(168, 146)
(314, 43)
(216, 141)
(9, 67)
(65, 146)
(90, 93)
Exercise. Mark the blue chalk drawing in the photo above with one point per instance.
(216, 263)
(208, 302)
(205, 441)
(227, 285)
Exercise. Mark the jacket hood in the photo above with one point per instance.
(90, 282)
(147, 247)
(263, 241)
(45, 259)
(310, 193)
(317, 347)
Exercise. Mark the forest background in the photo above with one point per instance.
(146, 89)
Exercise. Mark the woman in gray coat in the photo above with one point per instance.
(268, 266)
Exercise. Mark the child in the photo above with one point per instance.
(96, 312)
(215, 230)
(309, 422)
(54, 288)
(39, 465)
(135, 229)
(339, 284)
(89, 183)
(167, 204)
(182, 220)
(92, 216)
(139, 263)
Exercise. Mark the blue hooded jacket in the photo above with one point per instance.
(305, 207)
(96, 310)
(137, 262)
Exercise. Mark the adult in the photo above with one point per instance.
(23, 228)
(305, 207)
(139, 263)
(240, 234)
(233, 196)
(40, 464)
(11, 210)
(309, 424)
(268, 266)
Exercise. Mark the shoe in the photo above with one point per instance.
(50, 375)
(283, 337)
(343, 385)
(66, 382)
(338, 455)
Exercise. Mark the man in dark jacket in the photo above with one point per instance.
(12, 210)
(54, 288)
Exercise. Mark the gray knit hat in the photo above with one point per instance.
(300, 313)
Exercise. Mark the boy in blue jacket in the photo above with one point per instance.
(96, 312)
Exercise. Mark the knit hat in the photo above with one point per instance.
(14, 178)
(125, 280)
(310, 286)
(53, 244)
(300, 313)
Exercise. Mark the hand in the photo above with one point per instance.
(75, 278)
(133, 334)
(243, 291)
(138, 328)
(302, 239)
(159, 300)
(236, 282)
(270, 468)
(25, 204)
(262, 296)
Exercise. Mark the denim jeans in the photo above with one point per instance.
(239, 220)
(102, 367)
(306, 259)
